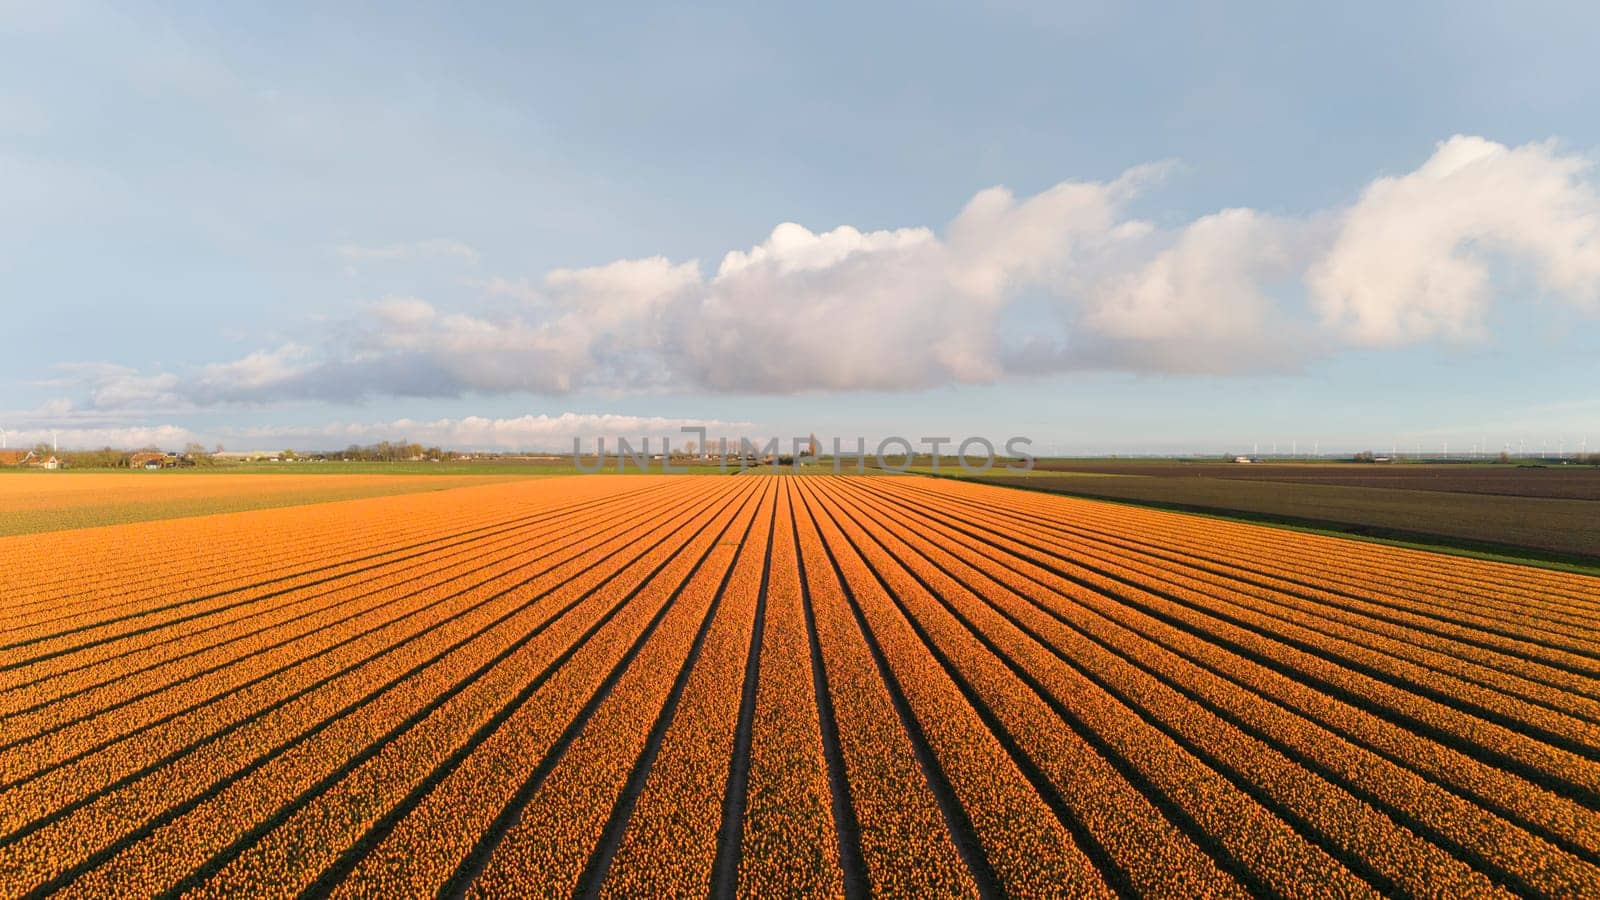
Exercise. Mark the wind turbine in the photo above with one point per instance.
(54, 446)
(2, 438)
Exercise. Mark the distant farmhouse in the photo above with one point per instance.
(29, 459)
(146, 460)
(243, 455)
(154, 459)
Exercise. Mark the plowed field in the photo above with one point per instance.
(774, 685)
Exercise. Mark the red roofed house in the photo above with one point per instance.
(147, 460)
(15, 457)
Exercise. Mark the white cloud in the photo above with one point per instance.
(520, 433)
(261, 369)
(1203, 300)
(1207, 284)
(1415, 255)
(117, 388)
(843, 309)
(541, 433)
(998, 245)
(93, 438)
(838, 310)
(793, 248)
(1066, 279)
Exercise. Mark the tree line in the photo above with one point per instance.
(117, 458)
(387, 451)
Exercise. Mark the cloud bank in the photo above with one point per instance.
(1412, 257)
(521, 433)
(542, 432)
(1064, 280)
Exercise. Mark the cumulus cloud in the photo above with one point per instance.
(999, 245)
(93, 438)
(535, 433)
(1414, 256)
(1063, 280)
(119, 387)
(545, 433)
(1208, 283)
(837, 310)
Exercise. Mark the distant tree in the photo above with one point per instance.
(1365, 456)
(104, 458)
(1504, 457)
(288, 454)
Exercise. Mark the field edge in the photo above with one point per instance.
(1572, 563)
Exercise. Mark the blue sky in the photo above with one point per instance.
(1346, 225)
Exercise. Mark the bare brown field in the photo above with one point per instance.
(811, 686)
(1552, 481)
(1550, 529)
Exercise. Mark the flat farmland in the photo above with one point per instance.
(1570, 482)
(1469, 508)
(32, 502)
(784, 685)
